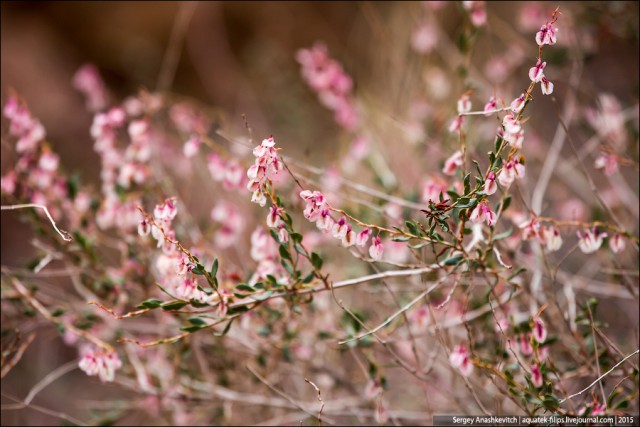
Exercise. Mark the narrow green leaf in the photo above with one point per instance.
(173, 305)
(316, 260)
(197, 321)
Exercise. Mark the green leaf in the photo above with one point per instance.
(478, 167)
(467, 185)
(262, 296)
(492, 158)
(507, 202)
(59, 311)
(453, 260)
(284, 252)
(214, 267)
(225, 330)
(274, 235)
(297, 237)
(197, 321)
(316, 260)
(150, 303)
(245, 287)
(413, 228)
(309, 277)
(173, 305)
(237, 310)
(400, 239)
(503, 235)
(465, 202)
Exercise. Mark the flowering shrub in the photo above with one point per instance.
(471, 288)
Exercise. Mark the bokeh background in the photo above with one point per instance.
(239, 58)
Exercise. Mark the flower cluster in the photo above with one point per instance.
(318, 210)
(549, 236)
(23, 125)
(327, 77)
(101, 363)
(88, 81)
(266, 167)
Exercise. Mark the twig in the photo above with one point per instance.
(65, 235)
(319, 399)
(172, 54)
(600, 377)
(45, 313)
(284, 395)
(49, 378)
(17, 356)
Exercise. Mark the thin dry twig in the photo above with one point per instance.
(319, 399)
(65, 235)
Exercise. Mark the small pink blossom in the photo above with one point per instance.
(424, 38)
(464, 104)
(459, 358)
(363, 236)
(481, 213)
(349, 238)
(518, 104)
(8, 182)
(477, 12)
(512, 169)
(590, 241)
(490, 185)
(144, 227)
(456, 124)
(531, 230)
(546, 86)
(103, 364)
(88, 81)
(376, 249)
(546, 35)
(552, 238)
(616, 243)
(452, 163)
(433, 189)
(166, 211)
(273, 219)
(537, 73)
(511, 123)
(608, 162)
(490, 106)
(539, 330)
(340, 228)
(525, 345)
(536, 376)
(192, 146)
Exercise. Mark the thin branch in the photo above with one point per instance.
(49, 378)
(319, 399)
(600, 377)
(65, 235)
(17, 356)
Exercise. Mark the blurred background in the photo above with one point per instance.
(239, 58)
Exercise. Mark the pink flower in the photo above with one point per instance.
(608, 162)
(464, 104)
(481, 213)
(536, 376)
(536, 73)
(349, 238)
(456, 124)
(490, 185)
(88, 81)
(376, 248)
(217, 166)
(514, 139)
(340, 228)
(490, 106)
(546, 86)
(362, 237)
(459, 358)
(531, 230)
(8, 182)
(166, 210)
(518, 104)
(432, 190)
(273, 219)
(525, 345)
(100, 363)
(590, 241)
(452, 163)
(539, 330)
(477, 12)
(616, 243)
(552, 238)
(512, 170)
(192, 146)
(424, 38)
(144, 227)
(511, 123)
(546, 35)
